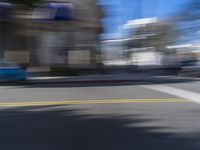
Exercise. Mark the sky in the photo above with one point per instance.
(119, 12)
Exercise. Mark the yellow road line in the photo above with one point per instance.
(84, 102)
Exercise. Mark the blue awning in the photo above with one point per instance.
(54, 12)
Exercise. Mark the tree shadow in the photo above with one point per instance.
(62, 129)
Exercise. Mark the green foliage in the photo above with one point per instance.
(64, 71)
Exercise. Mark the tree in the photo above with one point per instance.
(191, 11)
(189, 20)
(157, 35)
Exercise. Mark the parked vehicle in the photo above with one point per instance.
(11, 72)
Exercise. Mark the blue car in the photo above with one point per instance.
(11, 72)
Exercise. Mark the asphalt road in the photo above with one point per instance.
(136, 116)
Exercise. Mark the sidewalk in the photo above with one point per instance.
(119, 75)
(89, 78)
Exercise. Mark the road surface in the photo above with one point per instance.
(139, 115)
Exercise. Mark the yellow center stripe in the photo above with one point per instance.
(84, 102)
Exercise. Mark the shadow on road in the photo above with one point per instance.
(62, 129)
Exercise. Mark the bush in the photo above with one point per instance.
(64, 71)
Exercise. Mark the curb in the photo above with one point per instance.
(81, 81)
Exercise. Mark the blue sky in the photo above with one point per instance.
(118, 12)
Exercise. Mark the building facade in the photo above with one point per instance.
(73, 42)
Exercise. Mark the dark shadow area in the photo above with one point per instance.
(62, 129)
(142, 81)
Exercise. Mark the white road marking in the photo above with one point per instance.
(192, 96)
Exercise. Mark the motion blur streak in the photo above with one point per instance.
(99, 74)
